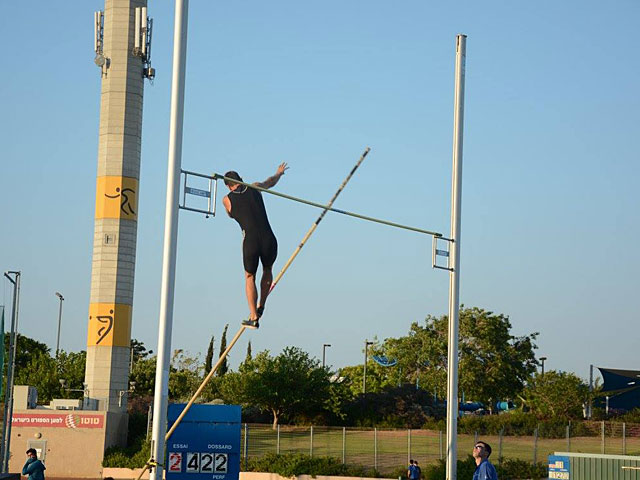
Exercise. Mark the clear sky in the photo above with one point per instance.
(550, 201)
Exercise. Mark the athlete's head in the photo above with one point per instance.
(234, 175)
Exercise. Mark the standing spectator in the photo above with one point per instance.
(484, 469)
(33, 467)
(417, 470)
(411, 470)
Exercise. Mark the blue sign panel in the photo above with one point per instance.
(206, 443)
(559, 467)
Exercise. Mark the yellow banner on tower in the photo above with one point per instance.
(117, 197)
(109, 325)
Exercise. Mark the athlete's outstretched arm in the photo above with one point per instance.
(273, 179)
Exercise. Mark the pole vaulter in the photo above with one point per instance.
(153, 462)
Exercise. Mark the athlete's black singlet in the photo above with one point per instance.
(247, 208)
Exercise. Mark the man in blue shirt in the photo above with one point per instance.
(484, 469)
(34, 467)
(411, 471)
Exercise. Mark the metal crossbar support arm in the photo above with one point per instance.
(210, 194)
(436, 252)
(275, 281)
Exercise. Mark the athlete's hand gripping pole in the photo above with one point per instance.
(276, 280)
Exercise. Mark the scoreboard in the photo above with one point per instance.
(206, 444)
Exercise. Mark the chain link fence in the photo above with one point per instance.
(389, 450)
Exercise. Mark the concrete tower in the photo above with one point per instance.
(123, 58)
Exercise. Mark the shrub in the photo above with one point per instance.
(292, 464)
(516, 423)
(508, 470)
(135, 456)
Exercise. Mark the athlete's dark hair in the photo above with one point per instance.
(232, 174)
(32, 450)
(487, 447)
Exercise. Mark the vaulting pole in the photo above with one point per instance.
(243, 328)
(454, 274)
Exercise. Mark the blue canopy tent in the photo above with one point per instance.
(621, 387)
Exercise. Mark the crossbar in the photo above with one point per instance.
(329, 208)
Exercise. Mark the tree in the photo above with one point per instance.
(45, 373)
(494, 364)
(139, 351)
(26, 348)
(208, 361)
(185, 376)
(556, 394)
(249, 357)
(144, 374)
(287, 385)
(224, 366)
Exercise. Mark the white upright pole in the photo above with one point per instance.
(161, 395)
(454, 274)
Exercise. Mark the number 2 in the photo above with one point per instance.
(220, 463)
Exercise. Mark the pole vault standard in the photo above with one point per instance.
(454, 272)
(161, 392)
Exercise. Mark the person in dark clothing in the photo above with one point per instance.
(259, 245)
(411, 470)
(34, 467)
(417, 469)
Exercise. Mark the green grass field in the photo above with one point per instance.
(388, 450)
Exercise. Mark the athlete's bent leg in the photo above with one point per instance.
(265, 285)
(252, 294)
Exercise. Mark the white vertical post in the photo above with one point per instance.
(375, 449)
(590, 391)
(246, 445)
(344, 445)
(454, 274)
(161, 394)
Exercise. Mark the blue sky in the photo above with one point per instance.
(550, 203)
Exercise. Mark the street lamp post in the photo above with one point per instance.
(364, 375)
(5, 448)
(324, 347)
(59, 295)
(542, 359)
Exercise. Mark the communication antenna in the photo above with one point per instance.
(98, 41)
(142, 41)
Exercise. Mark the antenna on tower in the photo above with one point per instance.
(98, 41)
(142, 41)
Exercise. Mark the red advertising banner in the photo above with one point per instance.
(63, 420)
